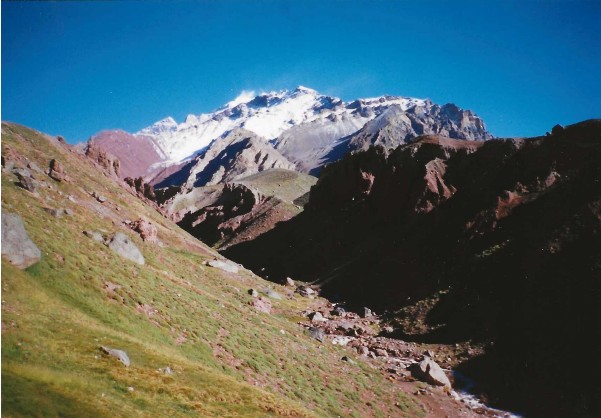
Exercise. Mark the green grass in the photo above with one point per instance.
(284, 184)
(227, 359)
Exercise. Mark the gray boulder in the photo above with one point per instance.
(26, 181)
(429, 371)
(95, 235)
(316, 317)
(224, 265)
(272, 294)
(17, 247)
(122, 245)
(118, 354)
(317, 333)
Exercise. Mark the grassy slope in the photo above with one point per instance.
(227, 359)
(284, 184)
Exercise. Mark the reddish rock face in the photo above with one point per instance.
(136, 154)
(147, 231)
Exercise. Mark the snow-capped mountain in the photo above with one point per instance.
(300, 128)
(269, 115)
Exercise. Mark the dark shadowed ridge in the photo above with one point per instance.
(496, 241)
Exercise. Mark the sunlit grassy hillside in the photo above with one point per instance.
(226, 358)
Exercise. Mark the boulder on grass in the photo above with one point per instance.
(224, 265)
(317, 333)
(17, 247)
(122, 245)
(118, 354)
(57, 172)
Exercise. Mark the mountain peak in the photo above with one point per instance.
(303, 89)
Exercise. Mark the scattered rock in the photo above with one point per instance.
(388, 329)
(100, 198)
(57, 172)
(68, 212)
(348, 359)
(122, 245)
(381, 352)
(316, 317)
(338, 311)
(341, 341)
(7, 162)
(34, 167)
(364, 351)
(26, 181)
(147, 231)
(272, 294)
(429, 353)
(224, 265)
(429, 371)
(95, 235)
(119, 354)
(253, 293)
(290, 282)
(261, 305)
(317, 333)
(57, 213)
(305, 291)
(17, 247)
(367, 313)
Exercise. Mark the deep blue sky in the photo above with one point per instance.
(74, 68)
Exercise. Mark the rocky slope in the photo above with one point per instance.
(497, 242)
(112, 310)
(237, 154)
(307, 130)
(226, 215)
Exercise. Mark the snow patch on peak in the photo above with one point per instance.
(245, 96)
(269, 115)
(305, 90)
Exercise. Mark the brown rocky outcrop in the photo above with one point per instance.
(146, 229)
(109, 163)
(141, 187)
(57, 172)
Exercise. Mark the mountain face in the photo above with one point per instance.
(396, 126)
(136, 153)
(302, 126)
(241, 210)
(236, 154)
(496, 241)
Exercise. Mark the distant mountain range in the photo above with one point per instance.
(299, 129)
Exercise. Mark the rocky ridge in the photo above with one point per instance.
(462, 240)
(301, 129)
